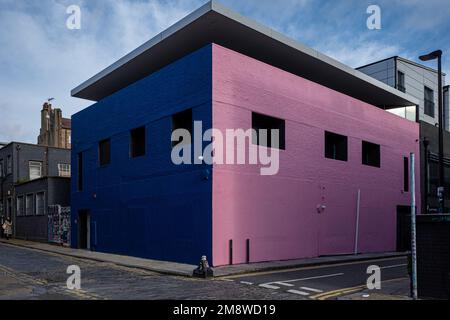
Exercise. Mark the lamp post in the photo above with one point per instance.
(441, 190)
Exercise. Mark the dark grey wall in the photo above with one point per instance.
(22, 154)
(431, 133)
(57, 191)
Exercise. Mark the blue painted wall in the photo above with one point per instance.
(146, 207)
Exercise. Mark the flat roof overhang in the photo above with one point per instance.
(213, 23)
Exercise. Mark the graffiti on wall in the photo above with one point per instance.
(59, 225)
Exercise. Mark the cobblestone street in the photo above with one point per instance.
(30, 274)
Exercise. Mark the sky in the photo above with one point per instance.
(41, 58)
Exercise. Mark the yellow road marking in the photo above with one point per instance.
(342, 291)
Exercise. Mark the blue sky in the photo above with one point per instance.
(41, 58)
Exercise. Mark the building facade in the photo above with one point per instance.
(21, 164)
(421, 82)
(55, 130)
(32, 200)
(337, 142)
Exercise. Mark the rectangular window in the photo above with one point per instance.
(29, 205)
(336, 146)
(401, 81)
(371, 154)
(20, 206)
(269, 124)
(104, 152)
(64, 170)
(9, 165)
(137, 142)
(406, 174)
(80, 171)
(40, 203)
(429, 102)
(35, 168)
(1, 168)
(182, 120)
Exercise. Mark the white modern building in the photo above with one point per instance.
(416, 80)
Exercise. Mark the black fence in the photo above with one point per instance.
(433, 256)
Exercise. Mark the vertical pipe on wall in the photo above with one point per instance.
(248, 251)
(231, 251)
(358, 206)
(413, 230)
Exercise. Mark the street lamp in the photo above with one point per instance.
(441, 190)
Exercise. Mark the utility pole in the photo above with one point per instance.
(441, 189)
(413, 230)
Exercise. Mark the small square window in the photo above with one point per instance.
(371, 154)
(262, 122)
(182, 120)
(35, 170)
(336, 146)
(137, 142)
(104, 152)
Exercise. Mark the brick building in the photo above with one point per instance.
(55, 130)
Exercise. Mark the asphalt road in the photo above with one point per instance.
(35, 275)
(27, 274)
(327, 282)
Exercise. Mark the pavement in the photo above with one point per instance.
(35, 271)
(180, 269)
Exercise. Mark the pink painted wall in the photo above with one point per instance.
(278, 213)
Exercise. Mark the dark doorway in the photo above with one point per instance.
(403, 228)
(83, 230)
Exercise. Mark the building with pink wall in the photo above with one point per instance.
(279, 214)
(337, 142)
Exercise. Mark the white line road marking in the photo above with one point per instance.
(246, 282)
(228, 280)
(395, 266)
(272, 285)
(302, 293)
(318, 277)
(311, 289)
(269, 286)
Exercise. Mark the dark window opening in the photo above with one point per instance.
(336, 146)
(104, 152)
(137, 142)
(182, 120)
(429, 102)
(262, 122)
(401, 81)
(406, 174)
(80, 171)
(371, 154)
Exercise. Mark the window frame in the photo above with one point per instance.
(20, 211)
(60, 170)
(29, 196)
(401, 85)
(36, 207)
(34, 163)
(367, 162)
(427, 103)
(133, 152)
(190, 127)
(106, 161)
(335, 156)
(279, 124)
